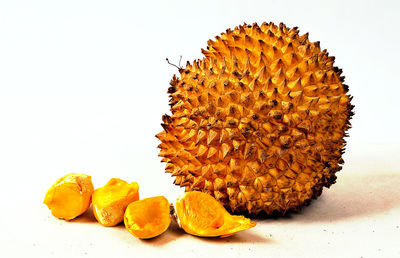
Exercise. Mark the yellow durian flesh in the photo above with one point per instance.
(110, 201)
(201, 215)
(69, 196)
(148, 218)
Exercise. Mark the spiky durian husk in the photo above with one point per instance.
(259, 122)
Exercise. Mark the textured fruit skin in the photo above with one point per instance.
(259, 122)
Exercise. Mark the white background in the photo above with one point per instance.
(83, 88)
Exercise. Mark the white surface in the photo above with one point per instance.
(83, 87)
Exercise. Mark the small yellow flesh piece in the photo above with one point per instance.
(148, 218)
(110, 201)
(201, 215)
(70, 196)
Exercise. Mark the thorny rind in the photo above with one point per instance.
(173, 215)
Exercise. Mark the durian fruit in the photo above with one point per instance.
(259, 122)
